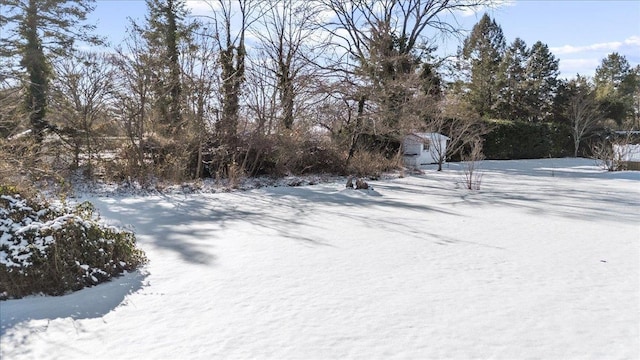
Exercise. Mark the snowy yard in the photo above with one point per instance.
(542, 262)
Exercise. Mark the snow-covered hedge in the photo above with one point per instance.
(54, 250)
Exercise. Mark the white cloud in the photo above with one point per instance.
(201, 7)
(585, 59)
(583, 66)
(570, 49)
(633, 41)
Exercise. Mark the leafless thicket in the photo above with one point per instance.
(471, 162)
(381, 47)
(612, 152)
(254, 87)
(82, 106)
(460, 124)
(584, 114)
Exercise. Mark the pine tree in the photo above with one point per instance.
(35, 32)
(611, 73)
(164, 31)
(542, 82)
(431, 81)
(482, 51)
(390, 67)
(634, 86)
(512, 99)
(615, 86)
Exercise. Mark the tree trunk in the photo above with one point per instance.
(356, 130)
(287, 103)
(175, 86)
(36, 65)
(232, 77)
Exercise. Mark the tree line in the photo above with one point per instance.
(271, 87)
(521, 83)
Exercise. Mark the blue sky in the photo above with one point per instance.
(579, 33)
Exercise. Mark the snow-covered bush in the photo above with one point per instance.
(54, 250)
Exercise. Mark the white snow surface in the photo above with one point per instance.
(541, 263)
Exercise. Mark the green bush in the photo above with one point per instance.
(526, 140)
(55, 250)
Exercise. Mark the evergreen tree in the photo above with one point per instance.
(561, 101)
(512, 100)
(390, 67)
(164, 31)
(482, 52)
(542, 82)
(634, 84)
(36, 31)
(611, 73)
(615, 86)
(431, 81)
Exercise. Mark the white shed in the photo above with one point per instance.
(424, 148)
(628, 155)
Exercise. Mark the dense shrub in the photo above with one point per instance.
(371, 164)
(311, 157)
(54, 250)
(388, 145)
(290, 153)
(287, 153)
(526, 140)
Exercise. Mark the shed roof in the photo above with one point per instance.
(430, 136)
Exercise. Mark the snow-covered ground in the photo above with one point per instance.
(542, 262)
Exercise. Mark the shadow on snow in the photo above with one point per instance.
(88, 303)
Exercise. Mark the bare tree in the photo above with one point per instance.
(614, 152)
(230, 22)
(472, 177)
(584, 114)
(359, 22)
(201, 81)
(457, 121)
(388, 41)
(11, 110)
(16, 152)
(132, 93)
(261, 103)
(262, 94)
(288, 37)
(82, 100)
